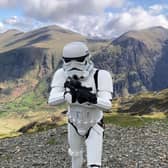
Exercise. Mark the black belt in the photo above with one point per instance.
(100, 123)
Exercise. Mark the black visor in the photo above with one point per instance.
(78, 59)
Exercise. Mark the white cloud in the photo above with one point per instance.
(2, 27)
(21, 23)
(157, 8)
(12, 20)
(7, 3)
(86, 16)
(4, 3)
(54, 10)
(90, 25)
(101, 5)
(134, 19)
(108, 25)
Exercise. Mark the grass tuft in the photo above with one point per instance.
(126, 120)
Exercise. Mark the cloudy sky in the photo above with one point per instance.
(100, 18)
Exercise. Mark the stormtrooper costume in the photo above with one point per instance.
(88, 91)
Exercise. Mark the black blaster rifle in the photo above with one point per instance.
(79, 92)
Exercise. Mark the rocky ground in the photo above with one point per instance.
(145, 147)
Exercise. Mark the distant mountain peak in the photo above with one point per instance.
(53, 28)
(152, 37)
(44, 37)
(158, 28)
(12, 31)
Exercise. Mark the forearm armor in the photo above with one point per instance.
(56, 96)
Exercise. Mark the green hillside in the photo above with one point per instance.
(30, 112)
(137, 61)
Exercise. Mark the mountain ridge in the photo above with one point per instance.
(137, 59)
(152, 37)
(27, 58)
(136, 64)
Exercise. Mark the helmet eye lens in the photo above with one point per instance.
(66, 60)
(78, 59)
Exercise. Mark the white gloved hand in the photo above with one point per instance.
(68, 96)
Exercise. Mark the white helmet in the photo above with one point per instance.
(76, 60)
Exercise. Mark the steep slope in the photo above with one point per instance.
(138, 60)
(27, 58)
(8, 36)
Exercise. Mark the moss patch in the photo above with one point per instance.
(52, 141)
(126, 120)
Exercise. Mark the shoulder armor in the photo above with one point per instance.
(58, 78)
(105, 82)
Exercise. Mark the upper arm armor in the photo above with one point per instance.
(105, 81)
(104, 90)
(57, 88)
(58, 78)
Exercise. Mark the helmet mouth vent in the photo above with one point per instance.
(75, 69)
(77, 59)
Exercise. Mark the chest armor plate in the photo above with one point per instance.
(85, 116)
